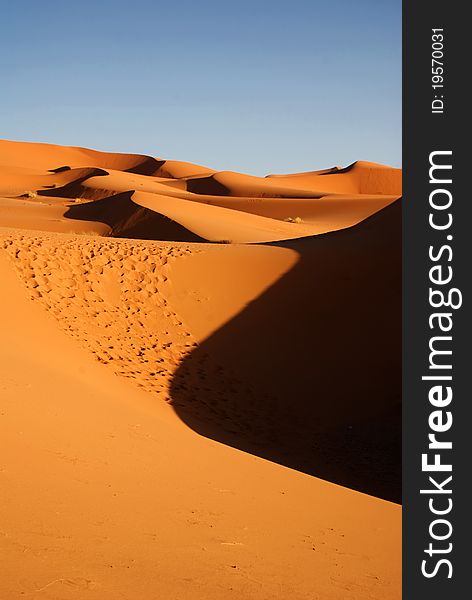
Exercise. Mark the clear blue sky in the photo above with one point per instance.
(261, 86)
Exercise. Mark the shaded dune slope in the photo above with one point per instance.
(124, 218)
(315, 362)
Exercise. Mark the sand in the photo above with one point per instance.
(185, 419)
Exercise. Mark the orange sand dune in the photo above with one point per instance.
(362, 177)
(50, 156)
(189, 420)
(273, 208)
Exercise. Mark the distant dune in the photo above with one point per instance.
(75, 186)
(200, 376)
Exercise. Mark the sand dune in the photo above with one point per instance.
(237, 208)
(185, 419)
(361, 177)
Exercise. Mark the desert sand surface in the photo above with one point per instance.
(199, 377)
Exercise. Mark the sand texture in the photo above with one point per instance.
(199, 380)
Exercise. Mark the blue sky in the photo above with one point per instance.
(260, 87)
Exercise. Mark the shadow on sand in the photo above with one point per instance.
(128, 220)
(309, 374)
